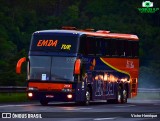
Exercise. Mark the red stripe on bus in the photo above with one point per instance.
(50, 86)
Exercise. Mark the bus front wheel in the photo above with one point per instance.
(88, 97)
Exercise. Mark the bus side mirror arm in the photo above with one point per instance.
(19, 65)
(77, 67)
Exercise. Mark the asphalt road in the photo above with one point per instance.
(134, 110)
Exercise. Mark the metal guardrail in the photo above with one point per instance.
(9, 89)
(149, 90)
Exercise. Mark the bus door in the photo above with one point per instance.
(78, 89)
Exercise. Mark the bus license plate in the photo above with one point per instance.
(49, 96)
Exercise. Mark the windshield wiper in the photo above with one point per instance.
(62, 79)
(59, 78)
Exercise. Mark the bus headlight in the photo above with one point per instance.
(30, 94)
(69, 96)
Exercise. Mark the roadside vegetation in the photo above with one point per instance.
(13, 97)
(20, 18)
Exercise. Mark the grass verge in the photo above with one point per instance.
(13, 97)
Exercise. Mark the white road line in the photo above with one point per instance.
(85, 108)
(99, 119)
(17, 105)
(122, 106)
(156, 104)
(71, 108)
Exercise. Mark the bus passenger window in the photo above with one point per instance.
(108, 47)
(127, 49)
(83, 46)
(103, 47)
(120, 48)
(98, 46)
(114, 47)
(91, 45)
(135, 49)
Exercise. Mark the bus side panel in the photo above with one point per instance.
(108, 72)
(125, 66)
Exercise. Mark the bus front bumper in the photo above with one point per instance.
(51, 96)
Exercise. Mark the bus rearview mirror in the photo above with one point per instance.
(77, 66)
(19, 65)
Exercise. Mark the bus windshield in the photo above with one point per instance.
(54, 42)
(47, 68)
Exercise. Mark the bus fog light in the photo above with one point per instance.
(69, 96)
(30, 94)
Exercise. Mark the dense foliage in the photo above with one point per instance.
(20, 18)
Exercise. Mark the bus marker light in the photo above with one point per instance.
(30, 94)
(69, 96)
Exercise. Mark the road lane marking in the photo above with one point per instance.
(85, 108)
(17, 105)
(122, 106)
(156, 104)
(99, 119)
(73, 108)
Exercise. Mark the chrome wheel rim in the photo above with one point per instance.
(124, 95)
(119, 97)
(87, 97)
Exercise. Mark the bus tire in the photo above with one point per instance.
(119, 98)
(44, 102)
(87, 97)
(124, 96)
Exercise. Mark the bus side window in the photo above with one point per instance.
(135, 49)
(83, 46)
(114, 47)
(127, 49)
(108, 47)
(98, 46)
(91, 45)
(120, 48)
(103, 47)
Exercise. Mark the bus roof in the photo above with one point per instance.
(101, 33)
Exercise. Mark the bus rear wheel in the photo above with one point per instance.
(44, 102)
(124, 96)
(119, 98)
